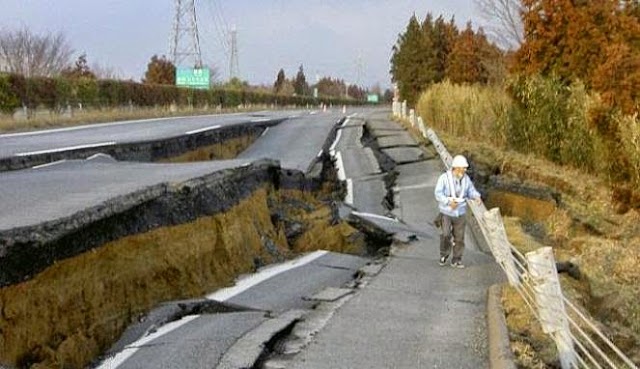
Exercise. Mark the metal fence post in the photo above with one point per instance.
(553, 317)
(500, 246)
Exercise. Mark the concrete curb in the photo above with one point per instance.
(500, 354)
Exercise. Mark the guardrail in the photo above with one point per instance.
(579, 341)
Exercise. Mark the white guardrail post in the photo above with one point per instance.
(500, 245)
(422, 127)
(404, 109)
(412, 117)
(548, 294)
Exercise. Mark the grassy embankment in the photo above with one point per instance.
(593, 226)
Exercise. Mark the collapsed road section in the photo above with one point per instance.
(89, 246)
(146, 141)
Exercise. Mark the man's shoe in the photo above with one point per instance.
(443, 260)
(457, 264)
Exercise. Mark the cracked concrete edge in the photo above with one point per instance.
(246, 351)
(500, 354)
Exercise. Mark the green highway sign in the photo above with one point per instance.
(193, 78)
(372, 98)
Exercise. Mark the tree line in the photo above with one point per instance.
(325, 87)
(569, 71)
(36, 71)
(594, 42)
(431, 51)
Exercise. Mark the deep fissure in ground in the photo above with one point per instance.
(69, 312)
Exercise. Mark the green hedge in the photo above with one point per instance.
(57, 93)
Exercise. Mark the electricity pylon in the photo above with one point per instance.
(185, 40)
(234, 64)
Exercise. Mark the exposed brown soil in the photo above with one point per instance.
(227, 150)
(70, 313)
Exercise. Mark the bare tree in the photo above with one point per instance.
(503, 21)
(29, 54)
(105, 72)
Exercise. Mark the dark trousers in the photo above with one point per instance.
(452, 227)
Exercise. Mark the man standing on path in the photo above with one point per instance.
(453, 189)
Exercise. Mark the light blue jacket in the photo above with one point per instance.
(444, 194)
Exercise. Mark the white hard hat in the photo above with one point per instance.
(459, 161)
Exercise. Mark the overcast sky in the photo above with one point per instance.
(328, 37)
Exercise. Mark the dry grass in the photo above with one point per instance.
(465, 111)
(222, 151)
(71, 312)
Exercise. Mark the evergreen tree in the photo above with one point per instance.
(300, 85)
(407, 62)
(464, 61)
(160, 71)
(280, 82)
(443, 37)
(473, 59)
(331, 87)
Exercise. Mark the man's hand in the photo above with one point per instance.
(453, 204)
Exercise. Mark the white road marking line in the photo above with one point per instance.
(346, 121)
(341, 173)
(49, 164)
(320, 154)
(260, 120)
(265, 132)
(69, 148)
(91, 126)
(199, 130)
(335, 142)
(265, 274)
(221, 295)
(313, 112)
(99, 155)
(349, 196)
(122, 356)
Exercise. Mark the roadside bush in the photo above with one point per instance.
(65, 92)
(9, 102)
(86, 91)
(55, 93)
(538, 118)
(630, 134)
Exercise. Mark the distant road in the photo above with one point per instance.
(296, 142)
(109, 134)
(57, 190)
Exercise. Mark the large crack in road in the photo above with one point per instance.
(72, 285)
